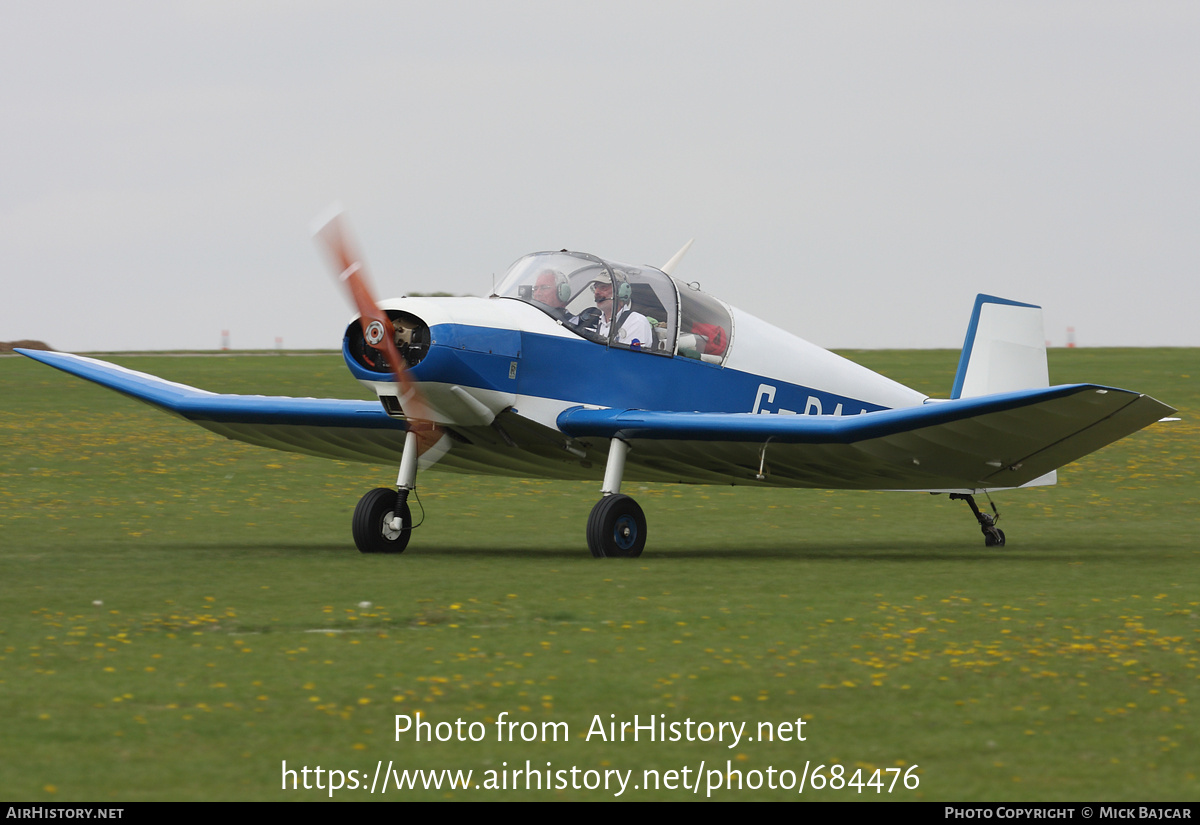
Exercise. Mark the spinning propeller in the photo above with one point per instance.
(378, 330)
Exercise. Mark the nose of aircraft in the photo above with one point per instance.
(364, 343)
(381, 340)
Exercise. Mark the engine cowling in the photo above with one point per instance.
(412, 340)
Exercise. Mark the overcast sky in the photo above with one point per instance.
(852, 172)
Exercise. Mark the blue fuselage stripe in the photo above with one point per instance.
(575, 370)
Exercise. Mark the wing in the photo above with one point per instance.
(987, 442)
(325, 427)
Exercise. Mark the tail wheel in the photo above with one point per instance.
(372, 525)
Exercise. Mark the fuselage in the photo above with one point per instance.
(507, 354)
(513, 366)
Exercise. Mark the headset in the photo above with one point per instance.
(563, 287)
(623, 291)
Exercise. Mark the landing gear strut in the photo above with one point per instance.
(616, 527)
(993, 536)
(382, 521)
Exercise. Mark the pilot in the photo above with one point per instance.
(551, 289)
(632, 328)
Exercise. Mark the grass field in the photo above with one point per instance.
(180, 614)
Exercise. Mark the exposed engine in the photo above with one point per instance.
(411, 337)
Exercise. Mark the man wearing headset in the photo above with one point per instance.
(552, 290)
(632, 328)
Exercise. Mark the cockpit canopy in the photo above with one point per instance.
(572, 288)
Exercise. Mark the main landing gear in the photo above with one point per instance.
(374, 526)
(616, 527)
(993, 536)
(382, 521)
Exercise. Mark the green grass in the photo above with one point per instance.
(232, 632)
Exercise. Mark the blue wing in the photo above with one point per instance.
(325, 427)
(987, 442)
(991, 441)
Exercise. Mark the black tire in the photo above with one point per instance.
(372, 533)
(994, 538)
(616, 528)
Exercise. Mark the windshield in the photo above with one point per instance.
(616, 304)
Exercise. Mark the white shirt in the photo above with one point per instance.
(634, 331)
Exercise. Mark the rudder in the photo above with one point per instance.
(1004, 351)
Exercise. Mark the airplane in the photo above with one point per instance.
(539, 379)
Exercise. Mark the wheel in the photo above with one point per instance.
(616, 528)
(993, 537)
(372, 528)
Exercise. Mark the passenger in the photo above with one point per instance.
(632, 328)
(551, 289)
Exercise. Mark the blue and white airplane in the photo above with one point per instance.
(582, 368)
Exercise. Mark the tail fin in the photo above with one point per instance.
(1005, 349)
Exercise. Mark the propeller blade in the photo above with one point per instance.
(377, 327)
(669, 266)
